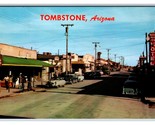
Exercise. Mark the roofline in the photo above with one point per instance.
(17, 46)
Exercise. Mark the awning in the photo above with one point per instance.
(15, 61)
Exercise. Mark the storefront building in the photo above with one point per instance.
(15, 60)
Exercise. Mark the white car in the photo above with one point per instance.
(80, 78)
(56, 83)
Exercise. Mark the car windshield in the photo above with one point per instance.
(132, 78)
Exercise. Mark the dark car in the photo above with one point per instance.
(71, 78)
(106, 71)
(96, 75)
(92, 75)
(87, 75)
(130, 86)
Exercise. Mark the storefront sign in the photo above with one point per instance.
(152, 49)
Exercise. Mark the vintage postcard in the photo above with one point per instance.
(77, 62)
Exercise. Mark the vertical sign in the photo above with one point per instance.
(152, 48)
(1, 61)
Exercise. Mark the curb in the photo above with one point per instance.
(39, 90)
(19, 92)
(5, 96)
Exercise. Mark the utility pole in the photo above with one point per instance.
(146, 48)
(95, 54)
(108, 56)
(108, 53)
(67, 27)
(122, 60)
(58, 52)
(115, 57)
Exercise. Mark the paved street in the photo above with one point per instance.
(95, 99)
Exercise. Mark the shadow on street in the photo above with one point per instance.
(111, 86)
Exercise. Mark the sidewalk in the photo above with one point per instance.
(4, 93)
(14, 91)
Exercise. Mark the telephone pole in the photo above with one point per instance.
(108, 53)
(108, 56)
(122, 59)
(146, 41)
(67, 27)
(115, 57)
(95, 54)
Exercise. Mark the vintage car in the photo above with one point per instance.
(59, 82)
(80, 78)
(130, 86)
(92, 75)
(71, 78)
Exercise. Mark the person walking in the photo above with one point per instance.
(7, 83)
(11, 81)
(29, 87)
(22, 81)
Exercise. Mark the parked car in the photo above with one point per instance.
(100, 71)
(80, 78)
(92, 75)
(134, 78)
(130, 86)
(59, 82)
(106, 71)
(96, 75)
(87, 75)
(71, 78)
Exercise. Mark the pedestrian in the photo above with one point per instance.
(32, 81)
(11, 81)
(28, 83)
(14, 81)
(29, 87)
(22, 81)
(55, 76)
(17, 83)
(0, 87)
(7, 83)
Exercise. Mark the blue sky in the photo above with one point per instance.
(21, 26)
